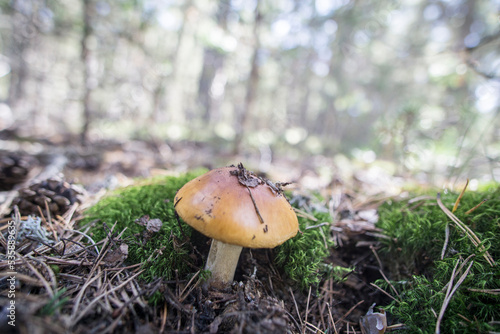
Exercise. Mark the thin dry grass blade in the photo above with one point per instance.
(389, 282)
(49, 271)
(384, 292)
(302, 213)
(331, 318)
(313, 328)
(307, 305)
(349, 311)
(475, 207)
(488, 291)
(472, 236)
(296, 308)
(446, 240)
(46, 284)
(21, 277)
(96, 299)
(79, 297)
(457, 202)
(451, 291)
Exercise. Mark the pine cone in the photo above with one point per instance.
(14, 168)
(57, 193)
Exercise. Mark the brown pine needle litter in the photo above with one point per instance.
(81, 283)
(69, 267)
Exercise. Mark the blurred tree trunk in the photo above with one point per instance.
(86, 57)
(23, 31)
(252, 85)
(169, 87)
(461, 94)
(304, 102)
(159, 96)
(213, 61)
(331, 122)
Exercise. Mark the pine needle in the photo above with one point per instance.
(460, 197)
(446, 240)
(450, 291)
(470, 234)
(477, 206)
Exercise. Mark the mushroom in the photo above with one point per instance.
(236, 209)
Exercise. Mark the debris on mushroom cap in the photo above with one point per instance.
(234, 206)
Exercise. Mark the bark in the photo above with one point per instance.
(213, 62)
(252, 85)
(168, 86)
(23, 34)
(85, 57)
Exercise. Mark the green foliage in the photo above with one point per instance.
(413, 235)
(423, 297)
(162, 253)
(416, 237)
(302, 257)
(55, 303)
(338, 273)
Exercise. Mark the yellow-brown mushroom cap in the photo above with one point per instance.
(219, 206)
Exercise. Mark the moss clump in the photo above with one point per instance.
(162, 253)
(416, 232)
(302, 257)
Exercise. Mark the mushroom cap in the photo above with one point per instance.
(219, 206)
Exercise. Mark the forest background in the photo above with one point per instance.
(412, 84)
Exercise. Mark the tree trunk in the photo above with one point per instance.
(252, 85)
(213, 62)
(23, 33)
(169, 89)
(85, 57)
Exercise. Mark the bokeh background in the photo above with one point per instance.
(410, 85)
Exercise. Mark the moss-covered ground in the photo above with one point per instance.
(415, 231)
(415, 240)
(173, 251)
(162, 253)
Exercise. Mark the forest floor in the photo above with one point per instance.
(72, 286)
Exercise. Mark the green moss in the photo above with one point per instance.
(416, 232)
(302, 257)
(54, 304)
(162, 253)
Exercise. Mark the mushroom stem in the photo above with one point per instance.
(222, 261)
